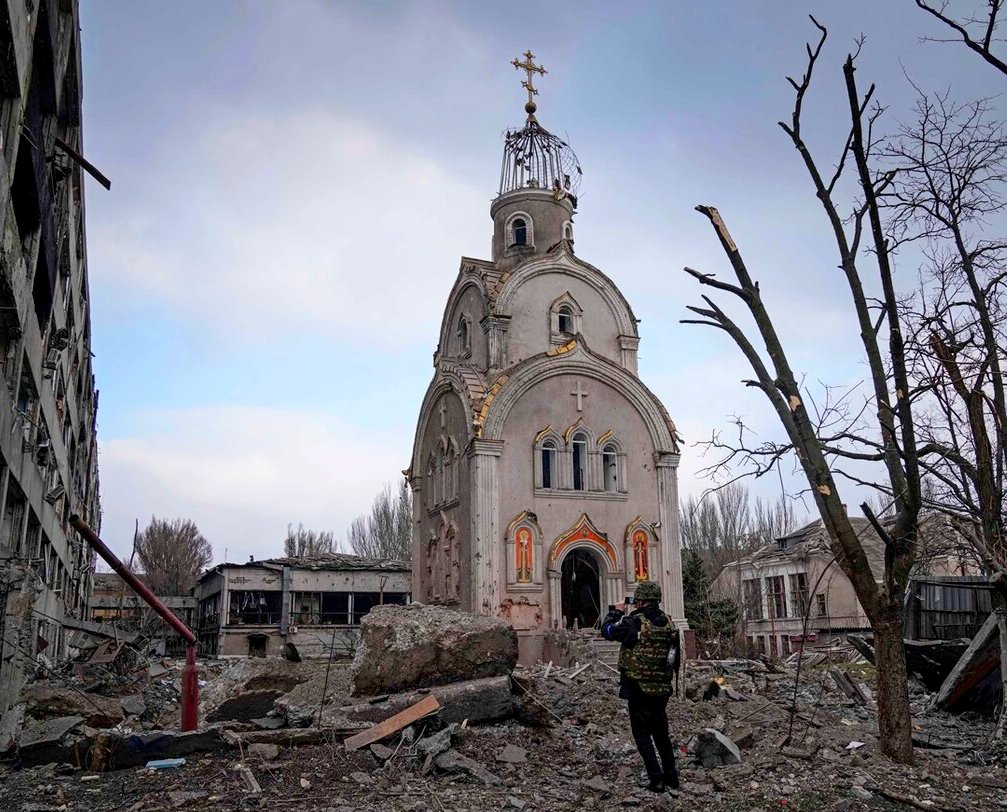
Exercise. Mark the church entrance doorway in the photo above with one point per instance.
(581, 590)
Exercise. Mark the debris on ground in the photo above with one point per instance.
(541, 739)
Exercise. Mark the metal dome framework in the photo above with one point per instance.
(534, 158)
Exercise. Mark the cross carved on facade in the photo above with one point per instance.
(580, 393)
(443, 410)
(529, 67)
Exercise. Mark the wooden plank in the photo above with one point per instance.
(424, 707)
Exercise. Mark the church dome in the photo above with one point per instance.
(533, 157)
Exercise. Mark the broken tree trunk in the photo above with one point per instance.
(894, 721)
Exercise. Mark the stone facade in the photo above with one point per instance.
(544, 472)
(48, 402)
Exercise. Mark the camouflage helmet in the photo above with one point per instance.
(647, 591)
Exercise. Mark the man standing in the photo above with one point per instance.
(647, 636)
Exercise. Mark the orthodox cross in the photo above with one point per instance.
(580, 393)
(529, 67)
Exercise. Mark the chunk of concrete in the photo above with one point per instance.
(51, 740)
(439, 742)
(714, 749)
(245, 707)
(415, 646)
(512, 754)
(45, 701)
(454, 762)
(266, 752)
(133, 705)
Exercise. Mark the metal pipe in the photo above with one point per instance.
(190, 683)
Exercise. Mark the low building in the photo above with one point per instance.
(796, 575)
(315, 603)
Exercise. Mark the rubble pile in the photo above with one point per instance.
(539, 739)
(416, 646)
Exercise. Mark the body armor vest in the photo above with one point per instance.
(647, 661)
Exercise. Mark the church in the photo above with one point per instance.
(544, 472)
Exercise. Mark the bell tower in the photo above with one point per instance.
(539, 180)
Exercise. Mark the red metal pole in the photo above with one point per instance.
(190, 683)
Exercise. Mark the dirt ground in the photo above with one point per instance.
(573, 737)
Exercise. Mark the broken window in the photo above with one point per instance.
(610, 467)
(753, 600)
(822, 604)
(776, 591)
(254, 607)
(548, 463)
(565, 319)
(520, 231)
(799, 593)
(464, 335)
(579, 462)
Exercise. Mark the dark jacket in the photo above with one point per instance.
(625, 629)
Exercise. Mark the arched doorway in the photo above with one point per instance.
(580, 589)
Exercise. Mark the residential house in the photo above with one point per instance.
(796, 577)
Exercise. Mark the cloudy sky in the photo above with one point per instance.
(294, 183)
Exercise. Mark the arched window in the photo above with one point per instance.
(464, 334)
(520, 228)
(565, 319)
(568, 231)
(520, 231)
(548, 464)
(610, 466)
(579, 462)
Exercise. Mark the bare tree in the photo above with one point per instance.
(773, 519)
(172, 554)
(952, 167)
(307, 543)
(979, 34)
(823, 436)
(387, 532)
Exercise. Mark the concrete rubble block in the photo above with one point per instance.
(139, 748)
(381, 752)
(245, 706)
(416, 646)
(51, 740)
(512, 754)
(265, 752)
(45, 701)
(454, 762)
(714, 749)
(439, 742)
(481, 700)
(133, 705)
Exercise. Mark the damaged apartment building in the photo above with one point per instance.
(294, 607)
(48, 402)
